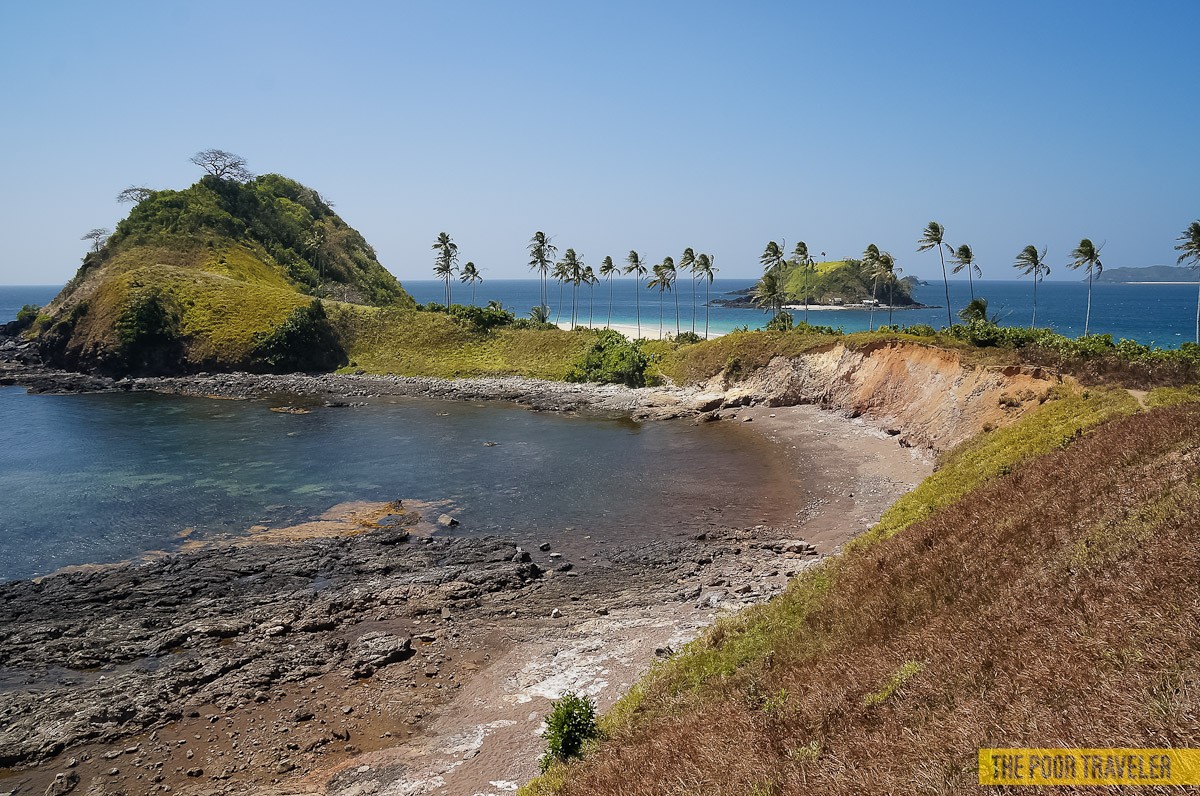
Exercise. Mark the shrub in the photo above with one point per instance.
(688, 338)
(304, 341)
(919, 330)
(570, 724)
(481, 319)
(782, 322)
(612, 359)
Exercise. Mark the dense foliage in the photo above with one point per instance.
(612, 358)
(304, 341)
(290, 222)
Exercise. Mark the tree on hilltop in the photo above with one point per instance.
(470, 275)
(222, 165)
(637, 267)
(97, 236)
(134, 194)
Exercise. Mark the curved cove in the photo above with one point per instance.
(107, 477)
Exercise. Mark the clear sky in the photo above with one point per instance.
(613, 125)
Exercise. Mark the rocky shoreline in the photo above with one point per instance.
(20, 366)
(380, 658)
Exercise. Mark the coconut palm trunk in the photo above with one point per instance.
(805, 295)
(1033, 321)
(874, 300)
(661, 298)
(1087, 319)
(610, 300)
(637, 295)
(693, 302)
(707, 285)
(676, 292)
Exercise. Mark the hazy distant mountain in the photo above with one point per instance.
(1151, 273)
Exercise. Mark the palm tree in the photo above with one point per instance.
(934, 237)
(976, 310)
(870, 267)
(561, 275)
(637, 267)
(1189, 245)
(669, 273)
(769, 292)
(470, 274)
(1086, 254)
(446, 259)
(706, 270)
(687, 265)
(541, 256)
(1029, 261)
(589, 279)
(772, 257)
(660, 281)
(963, 257)
(573, 272)
(607, 269)
(802, 258)
(888, 272)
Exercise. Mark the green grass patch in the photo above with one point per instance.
(412, 343)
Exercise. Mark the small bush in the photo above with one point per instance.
(612, 359)
(482, 319)
(26, 316)
(570, 724)
(688, 338)
(919, 330)
(782, 322)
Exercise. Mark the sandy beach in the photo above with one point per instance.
(649, 331)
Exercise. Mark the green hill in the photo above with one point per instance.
(224, 274)
(839, 281)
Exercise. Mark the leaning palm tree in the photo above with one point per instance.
(1189, 245)
(870, 269)
(963, 257)
(637, 267)
(541, 256)
(470, 275)
(607, 269)
(660, 281)
(706, 270)
(446, 259)
(802, 258)
(1029, 261)
(670, 274)
(934, 237)
(687, 265)
(1087, 255)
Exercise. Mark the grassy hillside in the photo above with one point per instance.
(221, 275)
(1048, 603)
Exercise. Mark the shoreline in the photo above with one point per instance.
(466, 639)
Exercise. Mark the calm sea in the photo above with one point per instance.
(1158, 314)
(95, 478)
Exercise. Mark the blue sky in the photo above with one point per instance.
(614, 125)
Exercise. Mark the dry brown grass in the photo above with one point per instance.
(1057, 606)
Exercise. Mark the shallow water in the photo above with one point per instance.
(97, 478)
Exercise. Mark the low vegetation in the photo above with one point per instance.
(1034, 610)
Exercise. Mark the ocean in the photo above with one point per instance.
(1153, 314)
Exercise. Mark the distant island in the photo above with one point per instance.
(1150, 273)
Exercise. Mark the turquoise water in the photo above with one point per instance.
(96, 478)
(1163, 315)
